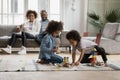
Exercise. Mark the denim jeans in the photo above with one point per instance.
(54, 59)
(24, 36)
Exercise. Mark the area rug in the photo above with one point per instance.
(31, 65)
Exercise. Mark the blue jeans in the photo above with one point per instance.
(54, 59)
(39, 37)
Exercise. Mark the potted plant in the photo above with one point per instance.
(95, 20)
(112, 15)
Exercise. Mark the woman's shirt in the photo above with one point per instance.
(32, 27)
(47, 44)
(84, 44)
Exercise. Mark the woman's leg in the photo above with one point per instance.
(8, 50)
(86, 58)
(26, 36)
(13, 38)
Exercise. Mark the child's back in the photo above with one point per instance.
(47, 45)
(48, 48)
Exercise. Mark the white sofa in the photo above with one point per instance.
(112, 33)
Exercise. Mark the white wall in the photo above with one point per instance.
(83, 16)
(71, 18)
(75, 19)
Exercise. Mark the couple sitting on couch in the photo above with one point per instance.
(28, 30)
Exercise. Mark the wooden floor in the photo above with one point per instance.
(81, 75)
(58, 75)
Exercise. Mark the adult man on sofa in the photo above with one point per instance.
(44, 22)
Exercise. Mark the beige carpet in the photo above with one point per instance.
(31, 65)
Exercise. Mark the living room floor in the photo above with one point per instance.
(59, 75)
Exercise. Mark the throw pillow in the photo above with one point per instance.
(117, 37)
(110, 30)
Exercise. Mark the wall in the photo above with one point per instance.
(75, 19)
(71, 18)
(99, 7)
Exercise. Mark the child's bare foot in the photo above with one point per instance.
(40, 61)
(105, 64)
(51, 64)
(66, 65)
(37, 61)
(99, 63)
(72, 64)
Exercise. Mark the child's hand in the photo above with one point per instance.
(54, 50)
(72, 64)
(77, 63)
(18, 29)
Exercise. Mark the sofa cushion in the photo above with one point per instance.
(63, 40)
(117, 37)
(111, 46)
(110, 30)
(6, 30)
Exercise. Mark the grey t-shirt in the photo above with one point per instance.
(44, 25)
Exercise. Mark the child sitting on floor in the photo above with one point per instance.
(85, 47)
(48, 49)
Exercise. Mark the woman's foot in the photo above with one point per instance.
(22, 51)
(7, 50)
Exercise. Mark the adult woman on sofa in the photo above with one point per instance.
(27, 30)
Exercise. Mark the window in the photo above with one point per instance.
(33, 5)
(13, 11)
(55, 10)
